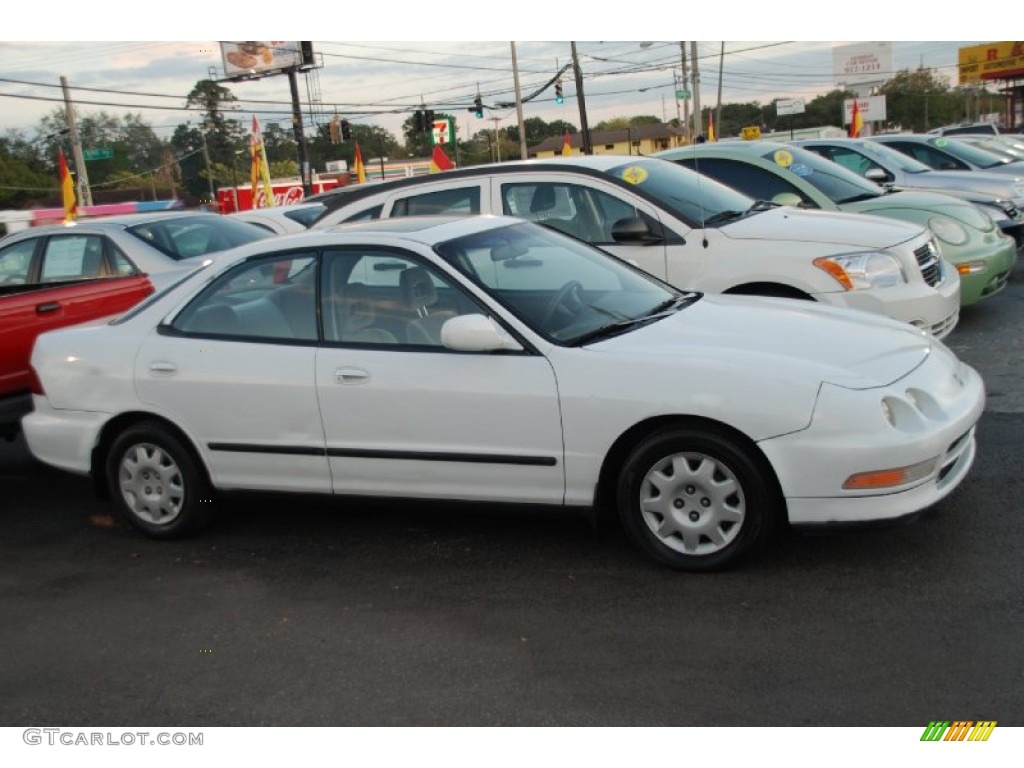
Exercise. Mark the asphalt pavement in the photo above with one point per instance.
(307, 611)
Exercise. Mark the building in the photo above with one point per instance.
(634, 140)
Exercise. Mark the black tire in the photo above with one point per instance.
(717, 503)
(157, 483)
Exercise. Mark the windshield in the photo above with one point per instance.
(183, 237)
(689, 195)
(838, 184)
(565, 290)
(973, 155)
(890, 157)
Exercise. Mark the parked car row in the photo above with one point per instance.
(706, 360)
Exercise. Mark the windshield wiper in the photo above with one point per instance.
(762, 205)
(664, 309)
(859, 198)
(721, 216)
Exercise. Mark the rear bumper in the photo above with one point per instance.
(62, 438)
(12, 409)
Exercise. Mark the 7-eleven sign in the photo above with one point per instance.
(441, 131)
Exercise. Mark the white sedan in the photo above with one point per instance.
(494, 360)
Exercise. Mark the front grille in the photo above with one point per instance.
(928, 261)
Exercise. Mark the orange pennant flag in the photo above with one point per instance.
(439, 161)
(67, 187)
(856, 121)
(566, 145)
(358, 168)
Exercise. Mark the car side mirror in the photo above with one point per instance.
(633, 230)
(788, 198)
(877, 175)
(477, 333)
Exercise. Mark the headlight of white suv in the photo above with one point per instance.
(866, 269)
(947, 230)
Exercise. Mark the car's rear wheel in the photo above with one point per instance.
(157, 482)
(696, 499)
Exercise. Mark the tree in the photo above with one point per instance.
(918, 99)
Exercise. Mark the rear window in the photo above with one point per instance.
(188, 236)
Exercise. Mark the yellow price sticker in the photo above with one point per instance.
(635, 175)
(783, 158)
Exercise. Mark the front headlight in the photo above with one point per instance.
(867, 269)
(947, 230)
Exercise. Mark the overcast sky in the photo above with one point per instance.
(430, 62)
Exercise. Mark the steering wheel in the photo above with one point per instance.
(561, 301)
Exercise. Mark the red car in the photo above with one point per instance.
(42, 289)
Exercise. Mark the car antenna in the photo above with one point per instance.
(700, 198)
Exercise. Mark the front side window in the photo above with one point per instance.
(387, 297)
(585, 213)
(263, 299)
(15, 262)
(72, 257)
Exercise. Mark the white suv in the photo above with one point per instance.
(692, 231)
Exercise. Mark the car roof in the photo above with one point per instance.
(593, 165)
(120, 221)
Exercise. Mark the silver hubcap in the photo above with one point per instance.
(693, 503)
(151, 484)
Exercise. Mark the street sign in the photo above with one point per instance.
(97, 154)
(441, 131)
(682, 94)
(789, 107)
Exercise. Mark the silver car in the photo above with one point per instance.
(945, 153)
(159, 244)
(999, 196)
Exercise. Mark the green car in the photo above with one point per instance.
(790, 175)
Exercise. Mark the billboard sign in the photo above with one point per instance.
(862, 63)
(789, 107)
(254, 58)
(991, 61)
(871, 109)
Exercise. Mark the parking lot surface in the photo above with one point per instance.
(315, 612)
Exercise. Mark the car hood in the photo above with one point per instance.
(929, 203)
(852, 229)
(858, 350)
(992, 183)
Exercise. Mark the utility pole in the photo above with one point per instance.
(519, 105)
(718, 109)
(698, 128)
(497, 146)
(300, 135)
(84, 192)
(584, 128)
(686, 101)
(209, 173)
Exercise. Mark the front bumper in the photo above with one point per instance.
(935, 408)
(996, 263)
(933, 309)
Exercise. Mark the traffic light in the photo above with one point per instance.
(417, 121)
(558, 92)
(478, 106)
(346, 130)
(428, 121)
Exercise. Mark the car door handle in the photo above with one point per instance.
(165, 369)
(50, 306)
(351, 376)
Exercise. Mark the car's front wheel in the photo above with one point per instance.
(696, 499)
(157, 483)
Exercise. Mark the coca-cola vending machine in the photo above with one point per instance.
(286, 192)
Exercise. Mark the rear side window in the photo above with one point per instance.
(446, 202)
(72, 257)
